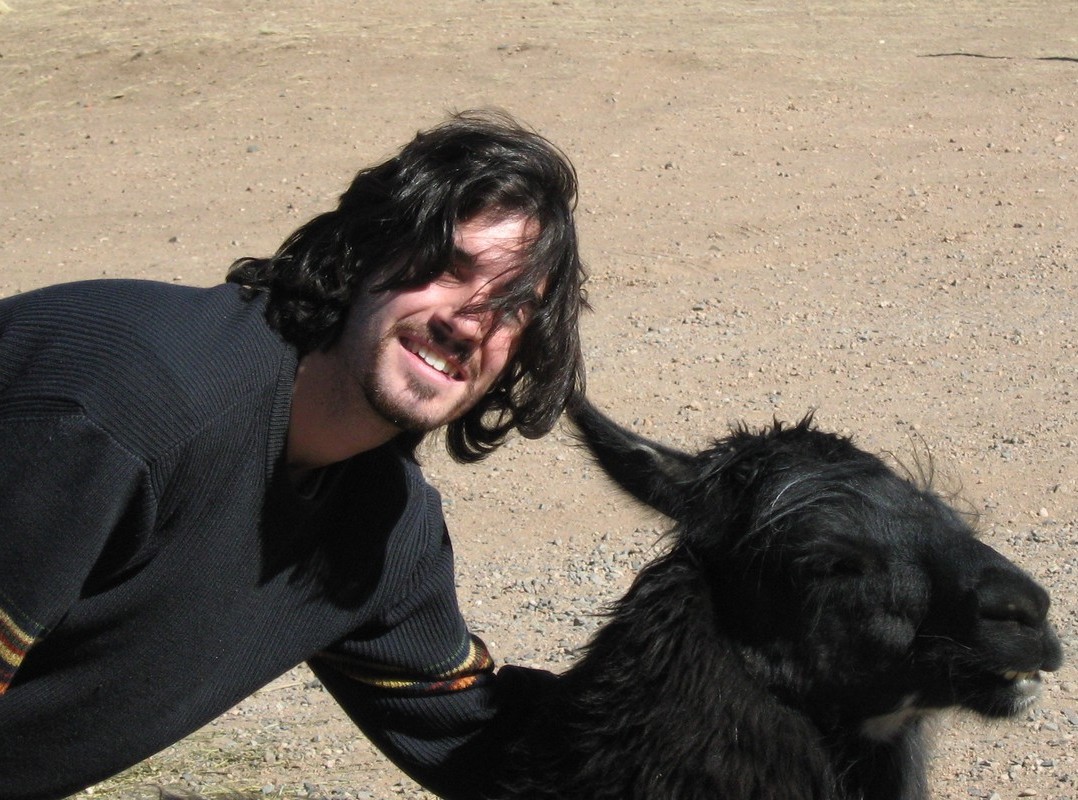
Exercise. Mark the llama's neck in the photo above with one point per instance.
(663, 626)
(665, 701)
(666, 697)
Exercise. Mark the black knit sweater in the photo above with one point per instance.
(156, 565)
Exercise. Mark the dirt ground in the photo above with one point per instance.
(865, 208)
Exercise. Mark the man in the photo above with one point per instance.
(201, 488)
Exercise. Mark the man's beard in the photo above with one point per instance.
(400, 410)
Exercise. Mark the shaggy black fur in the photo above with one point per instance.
(813, 609)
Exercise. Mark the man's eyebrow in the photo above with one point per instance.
(461, 256)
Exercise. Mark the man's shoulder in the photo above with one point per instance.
(120, 303)
(129, 320)
(126, 350)
(101, 289)
(111, 308)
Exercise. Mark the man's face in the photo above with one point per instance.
(420, 357)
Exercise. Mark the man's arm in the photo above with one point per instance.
(425, 691)
(64, 485)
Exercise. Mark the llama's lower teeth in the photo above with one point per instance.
(1015, 675)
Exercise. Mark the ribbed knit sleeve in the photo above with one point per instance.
(64, 487)
(419, 685)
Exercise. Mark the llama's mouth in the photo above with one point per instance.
(1022, 687)
(1014, 676)
(999, 694)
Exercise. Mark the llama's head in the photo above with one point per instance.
(853, 592)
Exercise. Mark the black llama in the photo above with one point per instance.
(814, 608)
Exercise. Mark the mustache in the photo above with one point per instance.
(460, 349)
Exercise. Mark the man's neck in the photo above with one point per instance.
(325, 427)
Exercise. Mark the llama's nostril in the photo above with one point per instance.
(1017, 601)
(1006, 596)
(1021, 613)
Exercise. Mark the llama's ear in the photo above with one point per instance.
(656, 475)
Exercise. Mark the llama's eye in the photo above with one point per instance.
(852, 567)
(840, 563)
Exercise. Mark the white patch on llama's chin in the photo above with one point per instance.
(886, 727)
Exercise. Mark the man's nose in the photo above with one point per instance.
(469, 311)
(466, 316)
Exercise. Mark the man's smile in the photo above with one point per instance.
(441, 362)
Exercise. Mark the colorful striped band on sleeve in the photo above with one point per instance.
(471, 668)
(17, 634)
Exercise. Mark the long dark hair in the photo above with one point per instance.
(394, 227)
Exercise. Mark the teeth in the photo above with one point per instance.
(431, 359)
(1015, 675)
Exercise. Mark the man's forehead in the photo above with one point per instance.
(495, 242)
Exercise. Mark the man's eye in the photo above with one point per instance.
(520, 314)
(452, 276)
